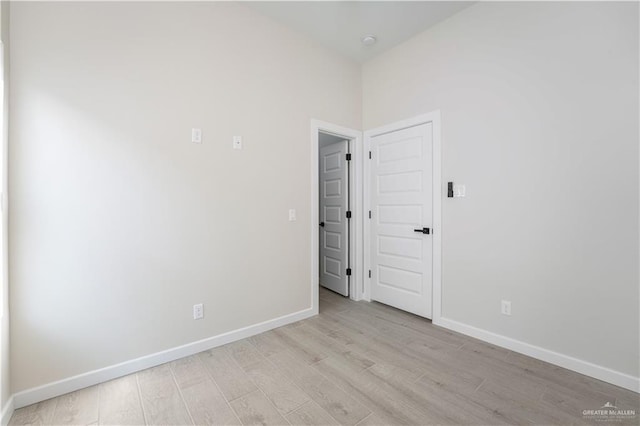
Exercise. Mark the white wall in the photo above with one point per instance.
(539, 107)
(118, 223)
(5, 379)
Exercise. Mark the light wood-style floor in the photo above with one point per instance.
(356, 363)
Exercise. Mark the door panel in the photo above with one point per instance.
(401, 201)
(334, 235)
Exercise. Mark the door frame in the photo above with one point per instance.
(433, 118)
(356, 258)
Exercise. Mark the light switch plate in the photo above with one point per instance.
(196, 135)
(292, 215)
(237, 142)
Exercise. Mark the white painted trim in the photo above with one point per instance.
(61, 387)
(357, 212)
(434, 119)
(366, 240)
(313, 190)
(574, 364)
(436, 290)
(7, 412)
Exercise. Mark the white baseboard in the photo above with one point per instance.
(583, 367)
(7, 412)
(61, 387)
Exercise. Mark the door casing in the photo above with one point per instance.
(434, 119)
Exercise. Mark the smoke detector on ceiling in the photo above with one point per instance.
(368, 40)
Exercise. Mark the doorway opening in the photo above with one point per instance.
(334, 212)
(337, 256)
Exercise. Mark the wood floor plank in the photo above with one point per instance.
(514, 378)
(573, 401)
(255, 409)
(228, 375)
(555, 375)
(491, 368)
(463, 409)
(336, 402)
(627, 400)
(381, 324)
(161, 400)
(330, 296)
(311, 414)
(436, 405)
(371, 420)
(188, 371)
(317, 338)
(79, 407)
(309, 352)
(35, 414)
(244, 353)
(333, 329)
(294, 367)
(268, 343)
(353, 319)
(481, 350)
(421, 325)
(520, 407)
(282, 393)
(373, 347)
(341, 406)
(331, 306)
(205, 402)
(316, 342)
(382, 351)
(120, 402)
(387, 405)
(207, 405)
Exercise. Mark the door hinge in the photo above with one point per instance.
(348, 214)
(348, 271)
(369, 155)
(369, 214)
(348, 157)
(369, 273)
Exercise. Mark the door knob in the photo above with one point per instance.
(423, 230)
(322, 224)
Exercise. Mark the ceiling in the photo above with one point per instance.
(325, 139)
(340, 25)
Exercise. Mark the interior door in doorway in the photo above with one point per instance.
(402, 215)
(334, 225)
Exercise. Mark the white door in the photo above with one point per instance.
(401, 222)
(334, 227)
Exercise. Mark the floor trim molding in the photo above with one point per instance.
(70, 384)
(7, 412)
(583, 367)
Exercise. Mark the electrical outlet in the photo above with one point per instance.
(505, 307)
(198, 311)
